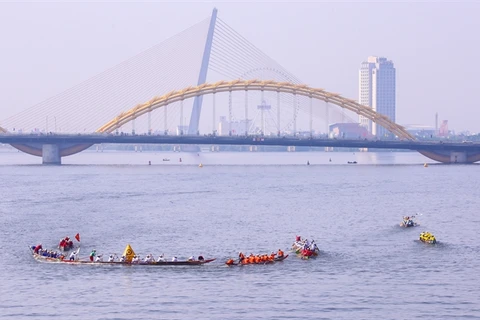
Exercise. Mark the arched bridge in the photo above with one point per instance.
(52, 153)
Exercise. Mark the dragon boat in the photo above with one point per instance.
(305, 249)
(427, 237)
(128, 260)
(244, 262)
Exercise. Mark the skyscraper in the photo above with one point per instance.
(377, 90)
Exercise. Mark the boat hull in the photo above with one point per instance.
(114, 263)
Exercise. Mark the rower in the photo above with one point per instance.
(93, 254)
(191, 258)
(280, 253)
(37, 248)
(161, 258)
(122, 259)
(135, 259)
(241, 256)
(111, 258)
(73, 256)
(99, 258)
(174, 259)
(201, 258)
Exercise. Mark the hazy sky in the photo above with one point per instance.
(47, 47)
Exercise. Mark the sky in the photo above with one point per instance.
(48, 47)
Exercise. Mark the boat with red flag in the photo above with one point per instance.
(129, 258)
(66, 243)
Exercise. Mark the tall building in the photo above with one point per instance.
(377, 91)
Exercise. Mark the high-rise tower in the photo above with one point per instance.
(377, 90)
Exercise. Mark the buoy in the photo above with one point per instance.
(149, 163)
(200, 165)
(425, 164)
(308, 163)
(330, 160)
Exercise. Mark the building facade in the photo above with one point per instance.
(234, 128)
(377, 90)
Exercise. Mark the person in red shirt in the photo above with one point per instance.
(38, 247)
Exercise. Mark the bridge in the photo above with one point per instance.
(287, 141)
(260, 99)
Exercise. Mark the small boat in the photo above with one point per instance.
(427, 237)
(166, 159)
(408, 222)
(305, 249)
(352, 162)
(66, 243)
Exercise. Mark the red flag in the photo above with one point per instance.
(77, 236)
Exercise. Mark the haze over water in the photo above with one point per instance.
(369, 267)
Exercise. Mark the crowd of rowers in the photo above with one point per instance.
(94, 257)
(38, 249)
(259, 258)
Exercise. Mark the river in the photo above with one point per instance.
(368, 268)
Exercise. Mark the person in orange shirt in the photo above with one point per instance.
(280, 253)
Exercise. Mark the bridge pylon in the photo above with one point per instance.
(51, 154)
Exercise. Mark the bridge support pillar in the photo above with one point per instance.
(458, 157)
(51, 154)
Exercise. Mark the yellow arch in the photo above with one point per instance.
(257, 85)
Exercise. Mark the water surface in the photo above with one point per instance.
(369, 267)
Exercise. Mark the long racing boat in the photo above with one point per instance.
(231, 262)
(65, 260)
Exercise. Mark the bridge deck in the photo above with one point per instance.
(236, 140)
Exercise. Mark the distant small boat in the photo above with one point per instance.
(166, 159)
(427, 237)
(425, 165)
(352, 162)
(200, 165)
